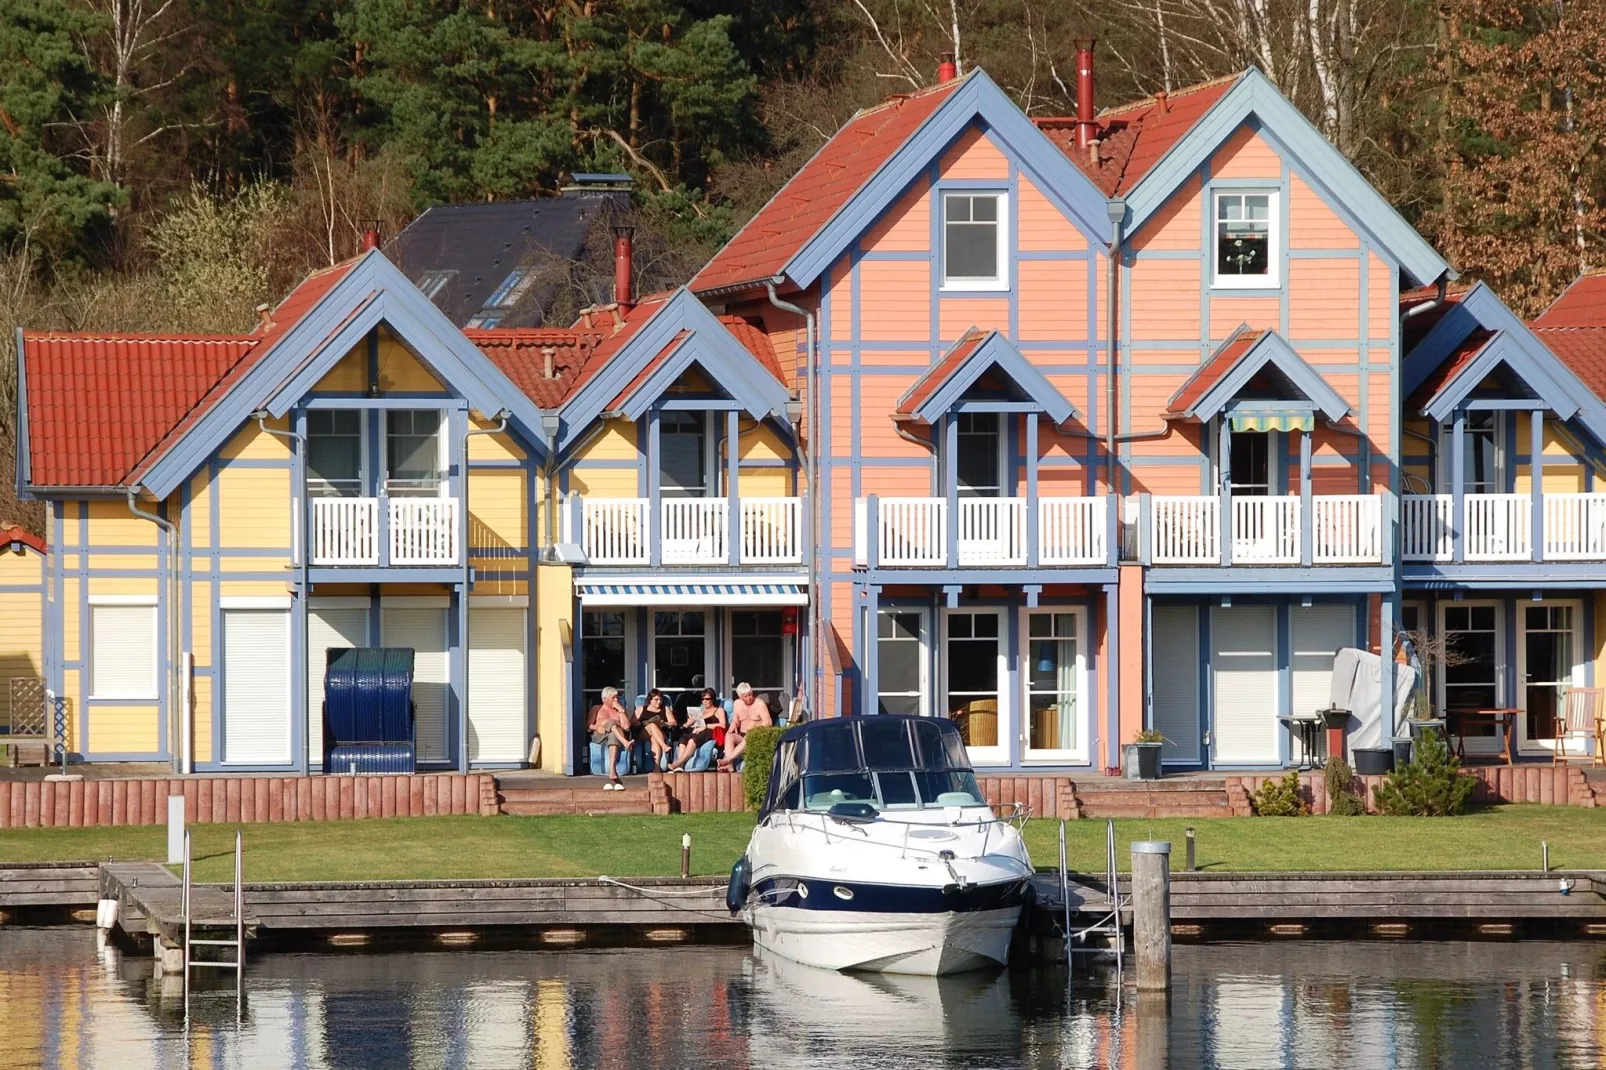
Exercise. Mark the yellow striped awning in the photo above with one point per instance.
(1299, 420)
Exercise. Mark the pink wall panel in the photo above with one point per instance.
(956, 315)
(1383, 303)
(1148, 396)
(841, 301)
(897, 299)
(1101, 324)
(913, 481)
(1141, 357)
(1378, 411)
(1053, 299)
(1165, 479)
(974, 156)
(1043, 227)
(841, 357)
(841, 416)
(841, 512)
(1061, 482)
(878, 434)
(1226, 313)
(1183, 441)
(1313, 225)
(906, 226)
(1246, 155)
(1165, 299)
(1348, 384)
(1175, 225)
(1324, 298)
(902, 358)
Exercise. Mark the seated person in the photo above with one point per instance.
(657, 721)
(751, 712)
(701, 721)
(610, 728)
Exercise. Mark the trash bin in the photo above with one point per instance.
(1402, 752)
(1373, 761)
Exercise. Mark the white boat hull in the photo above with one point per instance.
(927, 944)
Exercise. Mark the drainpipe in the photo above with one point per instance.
(1117, 209)
(179, 722)
(811, 668)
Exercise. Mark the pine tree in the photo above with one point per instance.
(1431, 784)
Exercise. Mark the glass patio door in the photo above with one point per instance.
(1472, 630)
(973, 669)
(1055, 674)
(1547, 665)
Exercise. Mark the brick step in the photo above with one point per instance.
(590, 789)
(1120, 812)
(1113, 785)
(600, 802)
(1100, 804)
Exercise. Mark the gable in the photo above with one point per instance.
(1254, 366)
(982, 365)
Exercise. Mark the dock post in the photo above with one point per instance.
(1151, 913)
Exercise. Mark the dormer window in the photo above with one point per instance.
(973, 251)
(507, 295)
(1246, 239)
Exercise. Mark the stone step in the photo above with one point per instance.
(575, 788)
(580, 802)
(1114, 784)
(1196, 803)
(1128, 810)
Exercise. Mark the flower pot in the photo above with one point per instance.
(1143, 761)
(1373, 761)
(1402, 752)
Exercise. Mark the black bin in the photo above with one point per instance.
(1402, 752)
(1373, 761)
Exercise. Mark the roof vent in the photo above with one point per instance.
(547, 353)
(264, 317)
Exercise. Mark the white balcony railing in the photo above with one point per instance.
(422, 532)
(1265, 529)
(1345, 529)
(691, 531)
(1499, 527)
(1071, 531)
(912, 532)
(1185, 530)
(990, 533)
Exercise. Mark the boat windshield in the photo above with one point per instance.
(893, 763)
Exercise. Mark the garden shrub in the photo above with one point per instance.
(756, 762)
(1280, 798)
(1431, 784)
(1342, 799)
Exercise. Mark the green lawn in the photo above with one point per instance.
(509, 847)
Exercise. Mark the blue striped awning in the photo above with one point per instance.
(631, 592)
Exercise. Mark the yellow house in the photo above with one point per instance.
(223, 511)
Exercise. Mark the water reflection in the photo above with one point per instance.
(63, 1002)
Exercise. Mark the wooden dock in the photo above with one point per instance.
(48, 884)
(150, 902)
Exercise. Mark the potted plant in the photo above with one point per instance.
(1143, 755)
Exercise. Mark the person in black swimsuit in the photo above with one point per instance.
(701, 722)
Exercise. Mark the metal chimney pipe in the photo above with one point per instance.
(370, 238)
(947, 69)
(624, 284)
(1087, 127)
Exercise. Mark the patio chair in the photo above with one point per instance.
(1580, 720)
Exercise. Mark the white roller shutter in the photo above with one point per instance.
(256, 686)
(327, 627)
(122, 659)
(1244, 663)
(425, 631)
(496, 692)
(1318, 632)
(1174, 668)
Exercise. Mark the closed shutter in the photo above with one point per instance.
(425, 631)
(1318, 632)
(326, 628)
(496, 692)
(1244, 663)
(122, 660)
(256, 686)
(1174, 668)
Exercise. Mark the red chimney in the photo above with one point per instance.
(1087, 127)
(624, 286)
(370, 238)
(947, 69)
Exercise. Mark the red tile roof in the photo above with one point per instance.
(938, 374)
(1574, 328)
(1210, 373)
(816, 193)
(756, 342)
(1133, 137)
(522, 354)
(1583, 304)
(648, 369)
(102, 406)
(12, 533)
(1449, 368)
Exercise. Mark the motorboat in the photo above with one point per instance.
(875, 850)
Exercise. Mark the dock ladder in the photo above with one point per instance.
(237, 964)
(1105, 924)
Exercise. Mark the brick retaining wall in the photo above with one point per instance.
(91, 803)
(1548, 785)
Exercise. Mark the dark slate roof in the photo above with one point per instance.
(482, 244)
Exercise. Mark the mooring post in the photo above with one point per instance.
(1544, 856)
(685, 854)
(1151, 913)
(175, 829)
(1189, 833)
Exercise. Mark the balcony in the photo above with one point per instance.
(690, 531)
(385, 532)
(1344, 529)
(989, 533)
(1501, 527)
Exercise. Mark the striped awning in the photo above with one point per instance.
(1293, 420)
(786, 591)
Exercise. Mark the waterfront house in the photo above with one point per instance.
(1061, 428)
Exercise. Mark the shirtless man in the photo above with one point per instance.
(751, 712)
(610, 728)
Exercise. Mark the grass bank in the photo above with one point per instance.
(442, 848)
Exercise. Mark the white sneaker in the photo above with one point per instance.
(613, 785)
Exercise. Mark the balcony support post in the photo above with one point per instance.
(872, 531)
(1145, 529)
(1225, 465)
(1032, 548)
(383, 511)
(950, 479)
(577, 526)
(1307, 519)
(870, 702)
(733, 498)
(1458, 491)
(1536, 480)
(654, 498)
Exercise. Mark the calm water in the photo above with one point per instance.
(1304, 1005)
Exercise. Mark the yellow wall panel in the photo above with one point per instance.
(497, 447)
(111, 524)
(553, 627)
(617, 442)
(604, 482)
(101, 562)
(251, 589)
(70, 618)
(201, 623)
(766, 483)
(254, 508)
(198, 523)
(124, 729)
(348, 376)
(71, 688)
(251, 442)
(21, 640)
(122, 584)
(400, 371)
(762, 442)
(203, 719)
(497, 513)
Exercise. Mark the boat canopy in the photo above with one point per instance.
(889, 761)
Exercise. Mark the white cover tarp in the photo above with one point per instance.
(1358, 687)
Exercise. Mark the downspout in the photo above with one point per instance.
(179, 722)
(1117, 210)
(811, 667)
(462, 639)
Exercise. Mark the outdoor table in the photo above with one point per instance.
(1504, 718)
(1310, 730)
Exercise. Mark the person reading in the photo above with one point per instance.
(703, 722)
(657, 720)
(610, 728)
(751, 712)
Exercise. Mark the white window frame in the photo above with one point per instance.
(1274, 239)
(975, 285)
(139, 601)
(998, 754)
(924, 643)
(1084, 701)
(1446, 456)
(1522, 744)
(1480, 745)
(444, 446)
